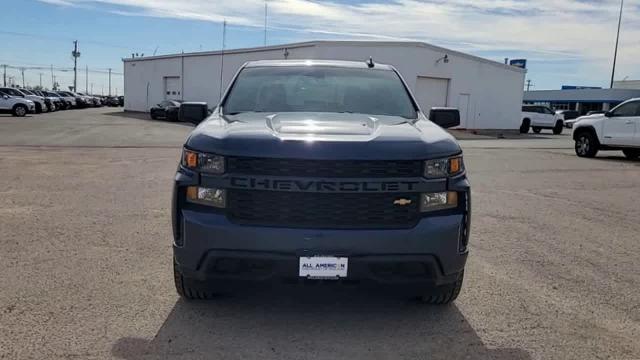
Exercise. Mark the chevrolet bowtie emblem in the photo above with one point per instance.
(402, 202)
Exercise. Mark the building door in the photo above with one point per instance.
(431, 92)
(172, 88)
(463, 107)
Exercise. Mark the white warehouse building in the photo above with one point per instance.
(487, 93)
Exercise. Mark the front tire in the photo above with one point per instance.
(445, 294)
(524, 127)
(557, 130)
(631, 154)
(190, 289)
(20, 110)
(586, 144)
(537, 130)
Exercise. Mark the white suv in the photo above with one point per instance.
(538, 117)
(37, 100)
(17, 106)
(618, 129)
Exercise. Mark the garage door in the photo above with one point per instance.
(431, 92)
(172, 88)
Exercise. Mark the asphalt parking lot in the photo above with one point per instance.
(86, 259)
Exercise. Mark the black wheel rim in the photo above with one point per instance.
(582, 145)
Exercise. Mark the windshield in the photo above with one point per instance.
(319, 89)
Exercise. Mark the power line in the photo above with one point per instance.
(62, 39)
(63, 69)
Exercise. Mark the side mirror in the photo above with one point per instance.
(445, 117)
(608, 114)
(193, 112)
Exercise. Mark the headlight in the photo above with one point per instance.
(441, 168)
(207, 196)
(209, 163)
(438, 201)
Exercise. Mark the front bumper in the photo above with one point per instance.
(213, 249)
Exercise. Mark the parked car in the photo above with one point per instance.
(364, 188)
(37, 100)
(48, 100)
(538, 117)
(16, 105)
(596, 112)
(112, 101)
(89, 100)
(120, 100)
(69, 98)
(617, 129)
(167, 109)
(570, 123)
(60, 103)
(568, 115)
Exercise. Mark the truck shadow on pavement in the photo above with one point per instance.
(316, 324)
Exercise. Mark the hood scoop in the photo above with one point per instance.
(322, 124)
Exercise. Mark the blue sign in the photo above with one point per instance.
(573, 87)
(521, 63)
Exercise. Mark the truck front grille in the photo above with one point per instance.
(324, 168)
(322, 210)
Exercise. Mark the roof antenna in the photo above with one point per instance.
(370, 63)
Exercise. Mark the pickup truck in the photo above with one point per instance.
(321, 171)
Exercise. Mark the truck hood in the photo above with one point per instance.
(322, 136)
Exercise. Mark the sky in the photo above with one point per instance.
(568, 42)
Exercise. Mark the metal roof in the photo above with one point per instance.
(333, 42)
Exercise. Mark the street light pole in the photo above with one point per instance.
(615, 53)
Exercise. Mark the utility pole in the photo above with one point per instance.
(529, 84)
(53, 79)
(615, 53)
(4, 76)
(40, 80)
(224, 36)
(265, 22)
(91, 93)
(76, 55)
(86, 79)
(22, 72)
(109, 81)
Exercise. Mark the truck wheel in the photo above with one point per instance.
(631, 153)
(586, 144)
(20, 110)
(524, 128)
(190, 289)
(557, 130)
(536, 130)
(445, 294)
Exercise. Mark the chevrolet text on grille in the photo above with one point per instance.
(321, 185)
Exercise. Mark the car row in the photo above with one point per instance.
(20, 102)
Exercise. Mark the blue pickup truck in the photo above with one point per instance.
(321, 171)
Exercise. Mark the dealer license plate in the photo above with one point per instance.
(323, 267)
